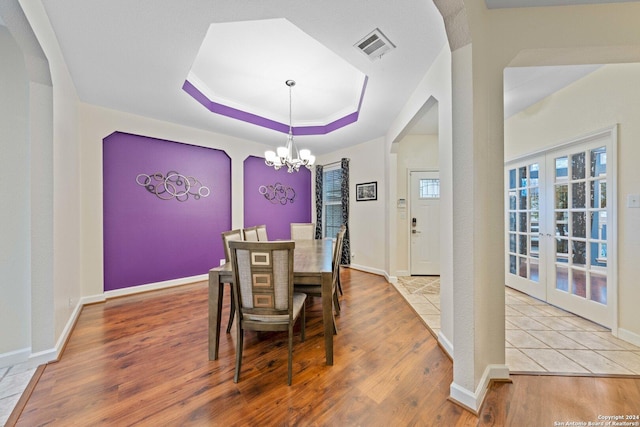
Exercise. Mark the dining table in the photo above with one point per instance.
(312, 261)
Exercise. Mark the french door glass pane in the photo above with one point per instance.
(562, 278)
(534, 174)
(598, 287)
(522, 250)
(534, 199)
(523, 199)
(512, 178)
(578, 199)
(512, 264)
(562, 196)
(513, 196)
(523, 222)
(522, 271)
(562, 167)
(598, 254)
(535, 246)
(578, 166)
(512, 221)
(578, 224)
(562, 224)
(562, 250)
(535, 270)
(598, 162)
(578, 282)
(523, 176)
(579, 253)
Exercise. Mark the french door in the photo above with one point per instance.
(559, 217)
(525, 271)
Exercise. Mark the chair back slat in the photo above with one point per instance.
(228, 236)
(302, 230)
(337, 253)
(251, 234)
(262, 233)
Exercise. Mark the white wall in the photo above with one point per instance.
(15, 265)
(435, 88)
(96, 124)
(606, 97)
(366, 219)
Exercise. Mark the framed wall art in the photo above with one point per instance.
(367, 191)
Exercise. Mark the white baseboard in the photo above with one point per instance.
(446, 345)
(35, 359)
(369, 270)
(155, 286)
(403, 273)
(14, 357)
(473, 400)
(629, 336)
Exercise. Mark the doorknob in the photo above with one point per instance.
(415, 231)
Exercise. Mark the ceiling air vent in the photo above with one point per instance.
(374, 45)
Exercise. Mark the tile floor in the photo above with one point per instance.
(13, 381)
(539, 337)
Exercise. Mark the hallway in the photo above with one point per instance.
(540, 338)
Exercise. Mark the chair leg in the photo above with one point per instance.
(290, 364)
(339, 282)
(336, 302)
(232, 309)
(304, 322)
(335, 326)
(239, 345)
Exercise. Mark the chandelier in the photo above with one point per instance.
(289, 155)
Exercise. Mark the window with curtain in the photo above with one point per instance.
(331, 201)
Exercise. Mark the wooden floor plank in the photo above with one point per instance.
(143, 360)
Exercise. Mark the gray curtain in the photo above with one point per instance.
(346, 246)
(319, 177)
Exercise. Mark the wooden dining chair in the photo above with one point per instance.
(343, 230)
(316, 290)
(265, 298)
(230, 236)
(302, 230)
(251, 234)
(262, 233)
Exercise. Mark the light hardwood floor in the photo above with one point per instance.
(142, 360)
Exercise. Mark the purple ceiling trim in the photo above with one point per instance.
(234, 113)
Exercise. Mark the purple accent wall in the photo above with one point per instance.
(234, 113)
(146, 239)
(277, 216)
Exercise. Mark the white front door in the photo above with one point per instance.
(424, 224)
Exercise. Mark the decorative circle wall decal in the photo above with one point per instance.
(278, 193)
(173, 185)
